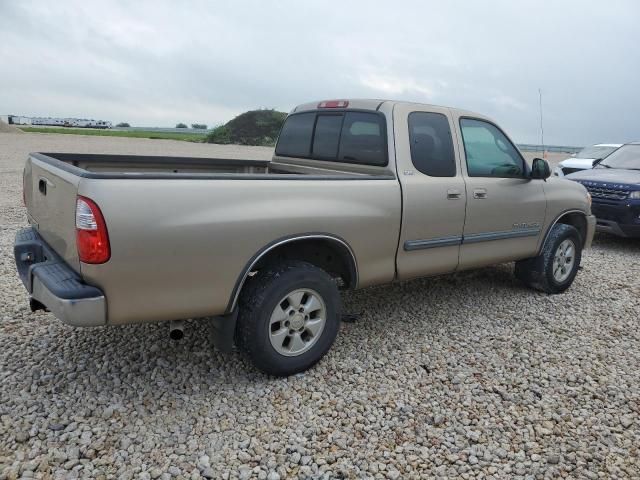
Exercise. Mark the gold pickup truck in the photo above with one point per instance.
(358, 193)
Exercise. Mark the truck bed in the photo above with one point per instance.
(127, 166)
(176, 216)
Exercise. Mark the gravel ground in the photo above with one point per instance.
(469, 376)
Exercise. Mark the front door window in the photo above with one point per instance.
(489, 152)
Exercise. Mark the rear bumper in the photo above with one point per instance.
(52, 283)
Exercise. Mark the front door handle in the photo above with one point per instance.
(480, 193)
(454, 194)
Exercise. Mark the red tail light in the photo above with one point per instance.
(92, 238)
(334, 104)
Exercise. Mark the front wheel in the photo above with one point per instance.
(289, 317)
(554, 270)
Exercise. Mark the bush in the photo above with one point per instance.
(256, 127)
(199, 126)
(219, 134)
(181, 125)
(123, 124)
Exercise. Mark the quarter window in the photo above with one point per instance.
(431, 144)
(488, 151)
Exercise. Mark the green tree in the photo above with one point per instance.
(256, 127)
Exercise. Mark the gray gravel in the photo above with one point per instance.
(469, 376)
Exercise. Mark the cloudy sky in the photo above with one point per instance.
(155, 63)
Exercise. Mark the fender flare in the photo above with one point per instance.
(353, 264)
(557, 219)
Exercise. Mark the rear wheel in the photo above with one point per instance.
(554, 270)
(289, 317)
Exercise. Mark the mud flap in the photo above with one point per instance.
(222, 331)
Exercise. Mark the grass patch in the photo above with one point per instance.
(188, 137)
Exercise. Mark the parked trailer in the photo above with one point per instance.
(18, 120)
(48, 121)
(71, 122)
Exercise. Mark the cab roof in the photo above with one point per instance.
(369, 104)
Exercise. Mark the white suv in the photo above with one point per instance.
(583, 160)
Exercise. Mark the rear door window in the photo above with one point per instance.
(295, 137)
(431, 144)
(363, 139)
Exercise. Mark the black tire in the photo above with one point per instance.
(537, 272)
(259, 298)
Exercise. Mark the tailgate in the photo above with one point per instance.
(50, 196)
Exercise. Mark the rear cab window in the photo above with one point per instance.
(343, 136)
(295, 136)
(327, 136)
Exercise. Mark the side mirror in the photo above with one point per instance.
(540, 169)
(596, 162)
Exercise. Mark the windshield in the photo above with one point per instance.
(627, 157)
(595, 152)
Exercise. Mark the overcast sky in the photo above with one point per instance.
(155, 63)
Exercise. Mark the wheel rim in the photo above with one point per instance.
(563, 260)
(297, 322)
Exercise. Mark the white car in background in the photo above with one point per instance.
(583, 160)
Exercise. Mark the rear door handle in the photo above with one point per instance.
(454, 194)
(480, 193)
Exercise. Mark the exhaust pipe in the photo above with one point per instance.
(176, 329)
